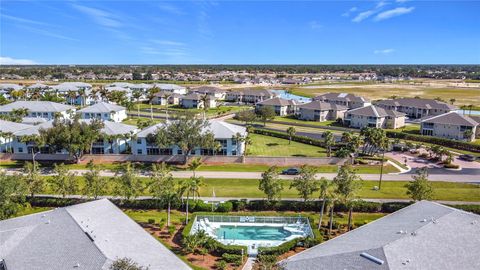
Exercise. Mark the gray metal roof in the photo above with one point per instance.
(11, 127)
(84, 236)
(114, 128)
(10, 86)
(36, 106)
(375, 111)
(102, 107)
(71, 86)
(209, 90)
(422, 103)
(452, 118)
(168, 86)
(425, 235)
(220, 130)
(38, 86)
(322, 106)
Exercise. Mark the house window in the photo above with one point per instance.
(234, 153)
(139, 151)
(20, 150)
(139, 141)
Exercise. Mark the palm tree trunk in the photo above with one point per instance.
(381, 171)
(321, 213)
(187, 211)
(349, 227)
(331, 219)
(151, 111)
(168, 215)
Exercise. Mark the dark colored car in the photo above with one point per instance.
(467, 157)
(291, 171)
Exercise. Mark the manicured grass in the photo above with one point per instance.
(28, 210)
(134, 120)
(270, 146)
(313, 123)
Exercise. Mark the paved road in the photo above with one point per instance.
(441, 175)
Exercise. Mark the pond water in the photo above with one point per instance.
(467, 112)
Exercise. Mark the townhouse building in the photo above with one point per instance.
(373, 116)
(39, 109)
(249, 95)
(281, 106)
(348, 100)
(320, 111)
(215, 92)
(416, 108)
(195, 101)
(104, 111)
(451, 125)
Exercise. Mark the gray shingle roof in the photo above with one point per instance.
(84, 236)
(375, 111)
(168, 86)
(71, 86)
(36, 106)
(278, 102)
(254, 92)
(322, 106)
(193, 96)
(208, 90)
(38, 86)
(341, 96)
(452, 118)
(417, 103)
(10, 86)
(425, 235)
(102, 107)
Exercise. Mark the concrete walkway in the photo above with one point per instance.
(249, 264)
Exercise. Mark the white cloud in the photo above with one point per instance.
(168, 42)
(171, 9)
(348, 12)
(401, 1)
(363, 15)
(393, 13)
(315, 25)
(22, 20)
(101, 17)
(381, 4)
(46, 33)
(384, 51)
(13, 61)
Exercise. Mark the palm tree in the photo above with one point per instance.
(137, 95)
(470, 108)
(94, 94)
(81, 94)
(384, 144)
(189, 187)
(163, 186)
(291, 132)
(167, 96)
(452, 100)
(194, 165)
(71, 97)
(205, 98)
(151, 96)
(329, 141)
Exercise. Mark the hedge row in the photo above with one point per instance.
(283, 135)
(467, 146)
(281, 249)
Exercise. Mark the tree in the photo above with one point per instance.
(347, 184)
(270, 184)
(291, 132)
(163, 187)
(373, 138)
(12, 195)
(452, 100)
(329, 141)
(305, 183)
(144, 123)
(166, 96)
(63, 181)
(127, 184)
(419, 188)
(266, 113)
(126, 264)
(95, 185)
(384, 145)
(151, 96)
(194, 165)
(34, 183)
(247, 116)
(190, 186)
(187, 132)
(205, 100)
(137, 94)
(324, 186)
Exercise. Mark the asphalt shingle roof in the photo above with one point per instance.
(86, 236)
(425, 235)
(322, 106)
(341, 96)
(375, 111)
(452, 118)
(417, 103)
(278, 102)
(36, 106)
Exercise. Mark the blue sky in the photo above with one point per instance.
(240, 32)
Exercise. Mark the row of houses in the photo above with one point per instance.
(436, 118)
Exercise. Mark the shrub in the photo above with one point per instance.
(434, 140)
(221, 265)
(151, 221)
(201, 206)
(468, 207)
(171, 229)
(451, 166)
(283, 248)
(283, 135)
(232, 258)
(225, 207)
(390, 207)
(232, 249)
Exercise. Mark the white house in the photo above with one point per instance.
(321, 111)
(222, 131)
(173, 88)
(104, 111)
(7, 137)
(194, 100)
(376, 117)
(160, 98)
(345, 99)
(451, 125)
(116, 138)
(7, 88)
(76, 93)
(39, 109)
(215, 92)
(249, 95)
(416, 107)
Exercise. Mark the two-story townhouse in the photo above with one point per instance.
(75, 93)
(222, 131)
(321, 111)
(39, 109)
(348, 100)
(451, 125)
(416, 107)
(195, 100)
(115, 139)
(215, 92)
(281, 106)
(104, 111)
(7, 134)
(172, 88)
(249, 95)
(376, 117)
(164, 98)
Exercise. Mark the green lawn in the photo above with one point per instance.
(270, 146)
(313, 123)
(134, 120)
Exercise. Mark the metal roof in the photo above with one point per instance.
(36, 106)
(102, 107)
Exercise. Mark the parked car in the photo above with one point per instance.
(291, 171)
(467, 157)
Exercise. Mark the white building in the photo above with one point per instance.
(215, 92)
(76, 93)
(222, 131)
(376, 117)
(173, 88)
(249, 95)
(281, 106)
(194, 100)
(160, 98)
(321, 111)
(7, 135)
(416, 107)
(450, 125)
(104, 111)
(345, 99)
(115, 140)
(39, 109)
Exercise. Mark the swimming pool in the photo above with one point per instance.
(286, 95)
(252, 231)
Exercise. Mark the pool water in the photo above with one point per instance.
(285, 95)
(252, 233)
